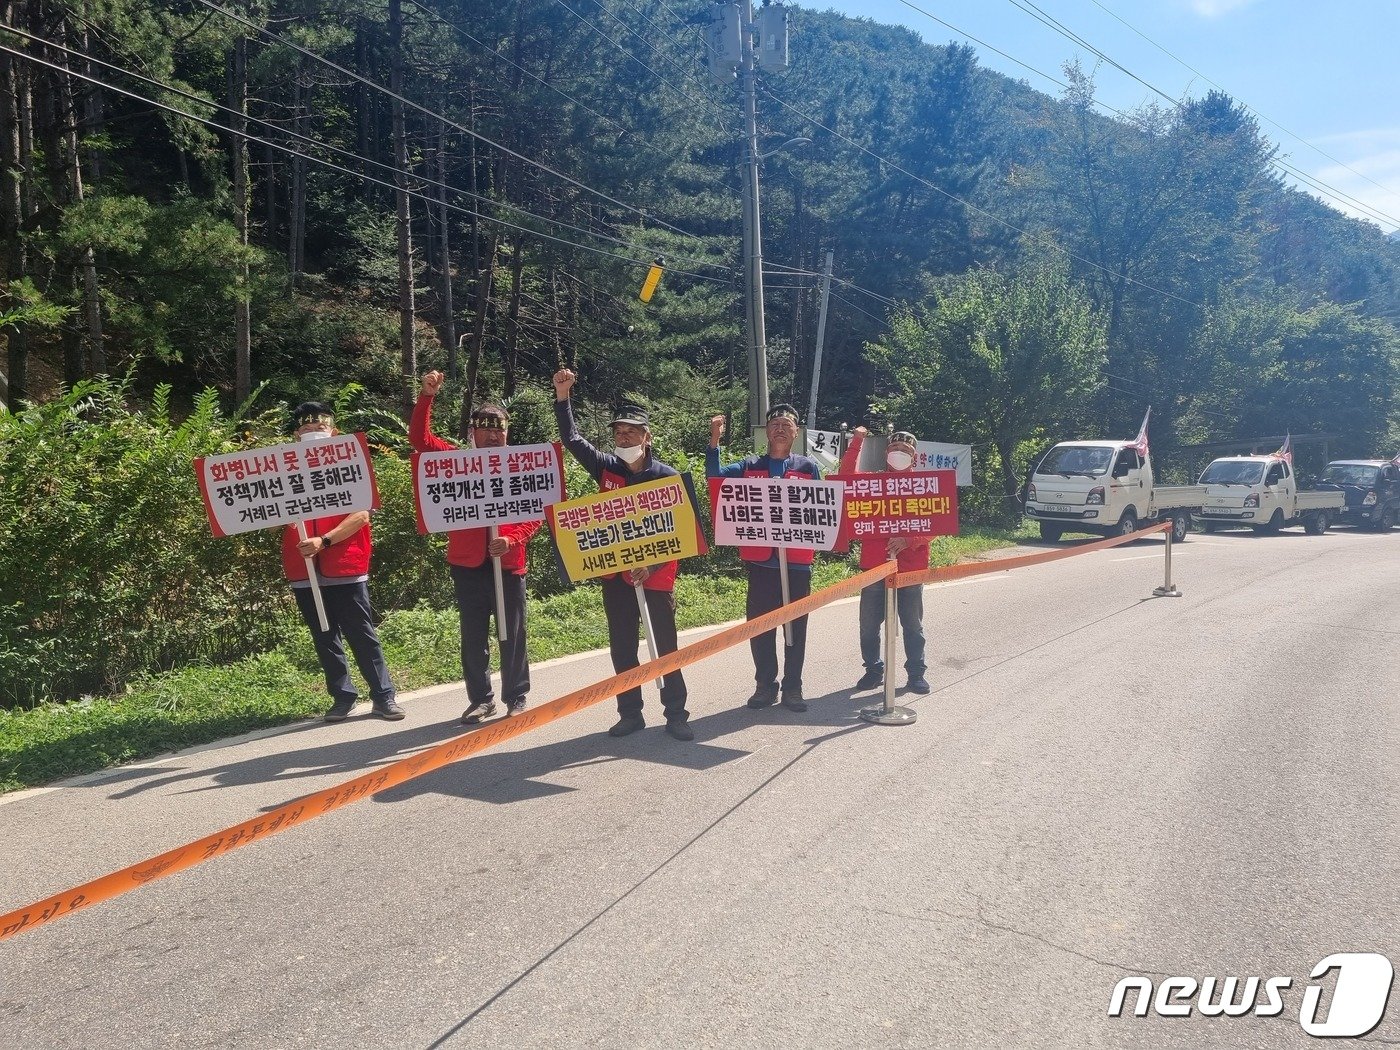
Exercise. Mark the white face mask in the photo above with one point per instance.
(316, 435)
(630, 455)
(899, 460)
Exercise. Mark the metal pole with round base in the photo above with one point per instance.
(887, 714)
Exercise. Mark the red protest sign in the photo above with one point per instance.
(899, 503)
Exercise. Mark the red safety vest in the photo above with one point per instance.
(349, 557)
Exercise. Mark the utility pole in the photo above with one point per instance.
(753, 230)
(732, 49)
(821, 340)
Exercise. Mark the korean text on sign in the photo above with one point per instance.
(471, 488)
(778, 512)
(636, 527)
(881, 506)
(284, 484)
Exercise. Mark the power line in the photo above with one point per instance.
(617, 44)
(327, 164)
(982, 211)
(1323, 188)
(1246, 105)
(1030, 8)
(329, 147)
(496, 54)
(235, 16)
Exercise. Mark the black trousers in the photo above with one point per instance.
(476, 606)
(624, 617)
(350, 617)
(765, 595)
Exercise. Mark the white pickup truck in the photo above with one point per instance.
(1105, 488)
(1262, 492)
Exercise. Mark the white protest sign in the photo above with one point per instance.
(472, 488)
(283, 484)
(778, 512)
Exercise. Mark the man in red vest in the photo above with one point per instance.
(473, 580)
(339, 548)
(630, 463)
(765, 584)
(912, 555)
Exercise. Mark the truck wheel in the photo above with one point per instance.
(1272, 525)
(1316, 524)
(1051, 532)
(1386, 522)
(1181, 525)
(1127, 524)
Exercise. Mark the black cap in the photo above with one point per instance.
(782, 411)
(631, 412)
(311, 412)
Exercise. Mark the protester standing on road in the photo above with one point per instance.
(765, 592)
(912, 555)
(339, 548)
(630, 463)
(473, 579)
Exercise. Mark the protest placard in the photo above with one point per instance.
(777, 512)
(635, 527)
(824, 446)
(473, 488)
(920, 504)
(283, 484)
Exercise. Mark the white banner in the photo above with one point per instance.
(778, 512)
(936, 455)
(471, 488)
(824, 446)
(283, 484)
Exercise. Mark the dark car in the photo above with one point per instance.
(1372, 489)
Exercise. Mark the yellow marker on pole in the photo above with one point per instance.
(653, 279)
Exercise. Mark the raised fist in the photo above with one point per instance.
(563, 383)
(716, 430)
(432, 383)
(861, 432)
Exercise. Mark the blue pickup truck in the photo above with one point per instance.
(1372, 490)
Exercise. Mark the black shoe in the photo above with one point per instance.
(919, 685)
(479, 712)
(340, 710)
(793, 700)
(515, 707)
(764, 696)
(680, 730)
(389, 710)
(871, 679)
(627, 724)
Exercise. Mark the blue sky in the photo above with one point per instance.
(1327, 72)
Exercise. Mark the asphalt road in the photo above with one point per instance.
(1102, 785)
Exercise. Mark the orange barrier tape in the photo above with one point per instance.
(303, 809)
(977, 568)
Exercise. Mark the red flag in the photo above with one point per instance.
(1285, 451)
(1140, 445)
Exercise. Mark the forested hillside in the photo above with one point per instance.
(232, 207)
(546, 150)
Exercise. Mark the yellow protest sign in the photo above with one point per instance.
(640, 526)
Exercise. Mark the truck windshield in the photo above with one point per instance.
(1071, 460)
(1224, 472)
(1351, 474)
